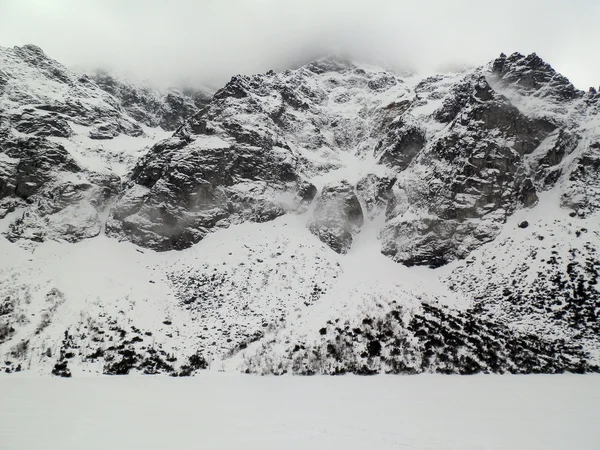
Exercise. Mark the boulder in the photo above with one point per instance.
(337, 217)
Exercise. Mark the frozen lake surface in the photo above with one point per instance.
(232, 411)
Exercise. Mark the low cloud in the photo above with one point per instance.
(209, 41)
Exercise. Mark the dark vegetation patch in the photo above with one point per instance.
(434, 340)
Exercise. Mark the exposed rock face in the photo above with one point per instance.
(248, 153)
(150, 106)
(403, 141)
(186, 186)
(61, 200)
(461, 188)
(43, 172)
(60, 188)
(40, 95)
(337, 216)
(532, 75)
(104, 131)
(55, 206)
(375, 191)
(462, 168)
(583, 191)
(30, 163)
(546, 160)
(44, 124)
(498, 149)
(463, 151)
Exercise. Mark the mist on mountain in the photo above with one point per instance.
(193, 42)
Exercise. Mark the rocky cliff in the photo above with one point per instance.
(334, 218)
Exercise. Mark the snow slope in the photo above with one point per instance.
(228, 290)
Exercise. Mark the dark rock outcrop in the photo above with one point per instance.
(186, 186)
(29, 163)
(151, 107)
(51, 124)
(375, 191)
(465, 183)
(249, 151)
(42, 171)
(401, 144)
(531, 75)
(337, 216)
(582, 192)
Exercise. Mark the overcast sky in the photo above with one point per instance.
(210, 40)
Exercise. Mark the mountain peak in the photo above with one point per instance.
(34, 55)
(531, 75)
(331, 63)
(31, 48)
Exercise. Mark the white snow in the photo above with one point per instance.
(204, 142)
(525, 252)
(101, 276)
(232, 411)
(351, 168)
(367, 281)
(117, 155)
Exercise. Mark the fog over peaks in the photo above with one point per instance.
(209, 41)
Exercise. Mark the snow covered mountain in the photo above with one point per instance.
(334, 218)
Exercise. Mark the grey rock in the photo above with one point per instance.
(31, 163)
(547, 163)
(51, 124)
(531, 75)
(466, 183)
(400, 145)
(337, 217)
(582, 191)
(104, 131)
(60, 199)
(186, 186)
(374, 191)
(150, 106)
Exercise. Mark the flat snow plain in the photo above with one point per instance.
(233, 411)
